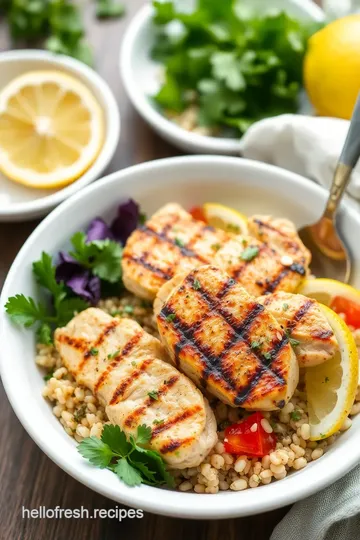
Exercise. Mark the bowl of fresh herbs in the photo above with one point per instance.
(202, 75)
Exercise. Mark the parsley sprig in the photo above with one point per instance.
(25, 311)
(127, 458)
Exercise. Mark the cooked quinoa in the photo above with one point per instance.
(82, 416)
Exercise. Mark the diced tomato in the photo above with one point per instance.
(350, 309)
(197, 212)
(249, 438)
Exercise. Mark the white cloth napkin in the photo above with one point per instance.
(307, 145)
(311, 146)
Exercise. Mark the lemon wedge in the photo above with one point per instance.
(51, 129)
(331, 386)
(225, 218)
(326, 290)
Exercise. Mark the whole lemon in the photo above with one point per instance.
(332, 67)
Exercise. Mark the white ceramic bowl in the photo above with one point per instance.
(142, 76)
(19, 202)
(251, 187)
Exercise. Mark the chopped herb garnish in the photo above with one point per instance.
(327, 379)
(116, 312)
(157, 422)
(267, 355)
(255, 344)
(180, 243)
(48, 376)
(295, 415)
(294, 342)
(170, 317)
(322, 435)
(285, 307)
(196, 284)
(128, 309)
(79, 414)
(133, 363)
(233, 228)
(113, 355)
(244, 241)
(127, 458)
(153, 395)
(249, 253)
(216, 247)
(94, 352)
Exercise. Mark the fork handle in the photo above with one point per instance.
(348, 159)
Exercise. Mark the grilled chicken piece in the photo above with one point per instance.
(127, 370)
(172, 241)
(225, 341)
(303, 321)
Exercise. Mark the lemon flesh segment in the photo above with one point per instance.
(331, 387)
(225, 218)
(51, 129)
(325, 290)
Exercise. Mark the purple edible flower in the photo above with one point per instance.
(78, 279)
(126, 221)
(98, 230)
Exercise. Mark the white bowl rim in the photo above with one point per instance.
(36, 207)
(165, 126)
(174, 503)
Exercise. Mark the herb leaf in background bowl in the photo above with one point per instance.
(234, 65)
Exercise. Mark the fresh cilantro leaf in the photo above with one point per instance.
(48, 376)
(170, 317)
(148, 476)
(153, 395)
(127, 473)
(157, 422)
(115, 439)
(109, 8)
(25, 311)
(96, 451)
(44, 272)
(67, 308)
(113, 355)
(94, 351)
(155, 462)
(249, 253)
(180, 243)
(44, 334)
(267, 355)
(294, 342)
(143, 434)
(226, 68)
(170, 96)
(255, 344)
(285, 306)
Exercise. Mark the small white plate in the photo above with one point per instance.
(19, 202)
(142, 76)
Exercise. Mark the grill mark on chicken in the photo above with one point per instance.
(174, 444)
(78, 344)
(226, 288)
(162, 237)
(199, 235)
(188, 413)
(212, 363)
(299, 314)
(118, 358)
(137, 413)
(290, 243)
(163, 274)
(323, 334)
(237, 271)
(295, 267)
(120, 390)
(109, 328)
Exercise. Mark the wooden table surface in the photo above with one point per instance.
(27, 477)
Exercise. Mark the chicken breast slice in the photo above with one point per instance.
(225, 341)
(172, 242)
(314, 341)
(127, 369)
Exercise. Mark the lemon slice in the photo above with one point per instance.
(225, 218)
(331, 386)
(51, 129)
(326, 290)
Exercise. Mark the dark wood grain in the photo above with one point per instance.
(27, 477)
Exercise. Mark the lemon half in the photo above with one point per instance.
(51, 129)
(225, 218)
(331, 386)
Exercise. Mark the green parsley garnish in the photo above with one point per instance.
(216, 247)
(255, 344)
(48, 376)
(25, 311)
(106, 9)
(180, 243)
(129, 309)
(127, 458)
(295, 415)
(267, 355)
(133, 363)
(158, 422)
(170, 317)
(196, 284)
(230, 227)
(294, 342)
(79, 414)
(114, 354)
(285, 307)
(249, 253)
(94, 352)
(153, 395)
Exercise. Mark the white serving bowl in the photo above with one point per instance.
(142, 76)
(251, 187)
(18, 202)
